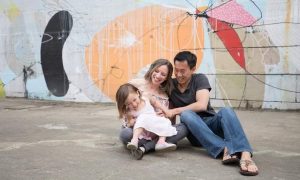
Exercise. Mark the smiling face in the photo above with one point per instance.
(183, 73)
(128, 99)
(159, 75)
(133, 101)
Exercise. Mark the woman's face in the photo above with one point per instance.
(133, 101)
(159, 75)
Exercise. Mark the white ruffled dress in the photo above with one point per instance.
(150, 121)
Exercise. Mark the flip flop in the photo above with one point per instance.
(247, 163)
(232, 160)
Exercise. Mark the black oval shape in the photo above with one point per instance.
(54, 37)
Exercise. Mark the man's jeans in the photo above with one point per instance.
(216, 132)
(126, 136)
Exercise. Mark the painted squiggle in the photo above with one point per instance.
(58, 30)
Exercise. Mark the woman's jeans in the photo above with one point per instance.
(216, 132)
(127, 133)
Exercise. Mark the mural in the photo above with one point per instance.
(122, 48)
(72, 50)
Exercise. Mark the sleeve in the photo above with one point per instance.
(202, 82)
(139, 83)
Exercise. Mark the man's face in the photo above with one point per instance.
(182, 72)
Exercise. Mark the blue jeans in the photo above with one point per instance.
(216, 132)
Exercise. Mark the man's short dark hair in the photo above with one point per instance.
(186, 56)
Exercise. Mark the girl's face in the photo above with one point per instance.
(133, 101)
(159, 75)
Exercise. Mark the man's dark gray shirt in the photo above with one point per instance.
(179, 99)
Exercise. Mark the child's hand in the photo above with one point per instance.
(131, 121)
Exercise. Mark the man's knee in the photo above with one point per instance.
(126, 135)
(187, 116)
(226, 111)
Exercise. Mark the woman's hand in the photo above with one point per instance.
(159, 112)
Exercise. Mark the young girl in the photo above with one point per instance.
(140, 112)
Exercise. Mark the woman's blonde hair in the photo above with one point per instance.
(121, 96)
(167, 85)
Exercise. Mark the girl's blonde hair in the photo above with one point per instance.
(121, 96)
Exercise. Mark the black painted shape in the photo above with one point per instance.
(54, 37)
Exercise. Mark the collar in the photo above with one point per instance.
(188, 86)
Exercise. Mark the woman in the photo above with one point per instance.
(157, 83)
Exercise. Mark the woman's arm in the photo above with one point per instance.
(157, 105)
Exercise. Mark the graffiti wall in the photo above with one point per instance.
(72, 50)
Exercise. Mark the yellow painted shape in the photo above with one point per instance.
(135, 39)
(13, 12)
(201, 9)
(2, 91)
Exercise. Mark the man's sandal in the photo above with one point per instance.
(231, 159)
(247, 163)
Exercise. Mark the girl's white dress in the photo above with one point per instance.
(150, 121)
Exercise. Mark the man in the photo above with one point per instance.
(216, 132)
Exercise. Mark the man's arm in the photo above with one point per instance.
(202, 98)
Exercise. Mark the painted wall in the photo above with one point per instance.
(72, 50)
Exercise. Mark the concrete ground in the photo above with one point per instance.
(63, 140)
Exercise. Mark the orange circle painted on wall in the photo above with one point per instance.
(132, 41)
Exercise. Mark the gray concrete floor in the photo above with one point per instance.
(64, 140)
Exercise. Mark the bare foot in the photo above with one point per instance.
(229, 159)
(247, 165)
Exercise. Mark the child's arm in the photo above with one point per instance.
(130, 120)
